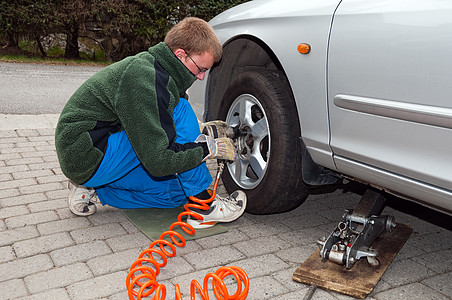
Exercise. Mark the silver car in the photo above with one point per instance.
(321, 90)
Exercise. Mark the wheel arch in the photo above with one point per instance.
(240, 54)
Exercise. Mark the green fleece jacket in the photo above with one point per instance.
(138, 95)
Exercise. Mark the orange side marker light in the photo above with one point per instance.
(304, 48)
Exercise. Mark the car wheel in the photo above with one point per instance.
(268, 168)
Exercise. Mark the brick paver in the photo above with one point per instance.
(48, 253)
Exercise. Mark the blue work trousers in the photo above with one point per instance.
(122, 181)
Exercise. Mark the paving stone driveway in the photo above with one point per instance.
(48, 253)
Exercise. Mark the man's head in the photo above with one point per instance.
(196, 44)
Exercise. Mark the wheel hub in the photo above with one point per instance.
(245, 142)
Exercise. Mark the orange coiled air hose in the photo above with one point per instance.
(146, 282)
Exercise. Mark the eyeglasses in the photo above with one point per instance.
(201, 70)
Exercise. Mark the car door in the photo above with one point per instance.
(390, 93)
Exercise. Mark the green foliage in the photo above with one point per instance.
(25, 17)
(208, 9)
(55, 51)
(119, 27)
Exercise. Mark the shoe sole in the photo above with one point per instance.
(77, 213)
(203, 225)
(194, 223)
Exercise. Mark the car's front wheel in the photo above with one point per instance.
(268, 168)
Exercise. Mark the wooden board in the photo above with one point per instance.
(361, 279)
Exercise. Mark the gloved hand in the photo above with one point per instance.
(216, 129)
(219, 148)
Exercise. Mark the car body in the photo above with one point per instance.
(372, 98)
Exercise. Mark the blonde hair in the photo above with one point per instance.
(195, 36)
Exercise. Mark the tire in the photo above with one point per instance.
(268, 167)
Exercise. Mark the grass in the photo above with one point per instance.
(51, 60)
(28, 53)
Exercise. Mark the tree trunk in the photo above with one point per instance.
(13, 40)
(41, 49)
(72, 50)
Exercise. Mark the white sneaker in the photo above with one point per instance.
(80, 200)
(221, 210)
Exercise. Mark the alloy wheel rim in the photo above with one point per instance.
(253, 145)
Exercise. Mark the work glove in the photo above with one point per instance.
(219, 148)
(216, 129)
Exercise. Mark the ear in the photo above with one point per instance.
(180, 53)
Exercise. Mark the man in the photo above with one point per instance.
(128, 137)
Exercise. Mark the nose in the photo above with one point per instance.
(200, 76)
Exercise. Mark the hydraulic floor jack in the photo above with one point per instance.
(358, 229)
(361, 233)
